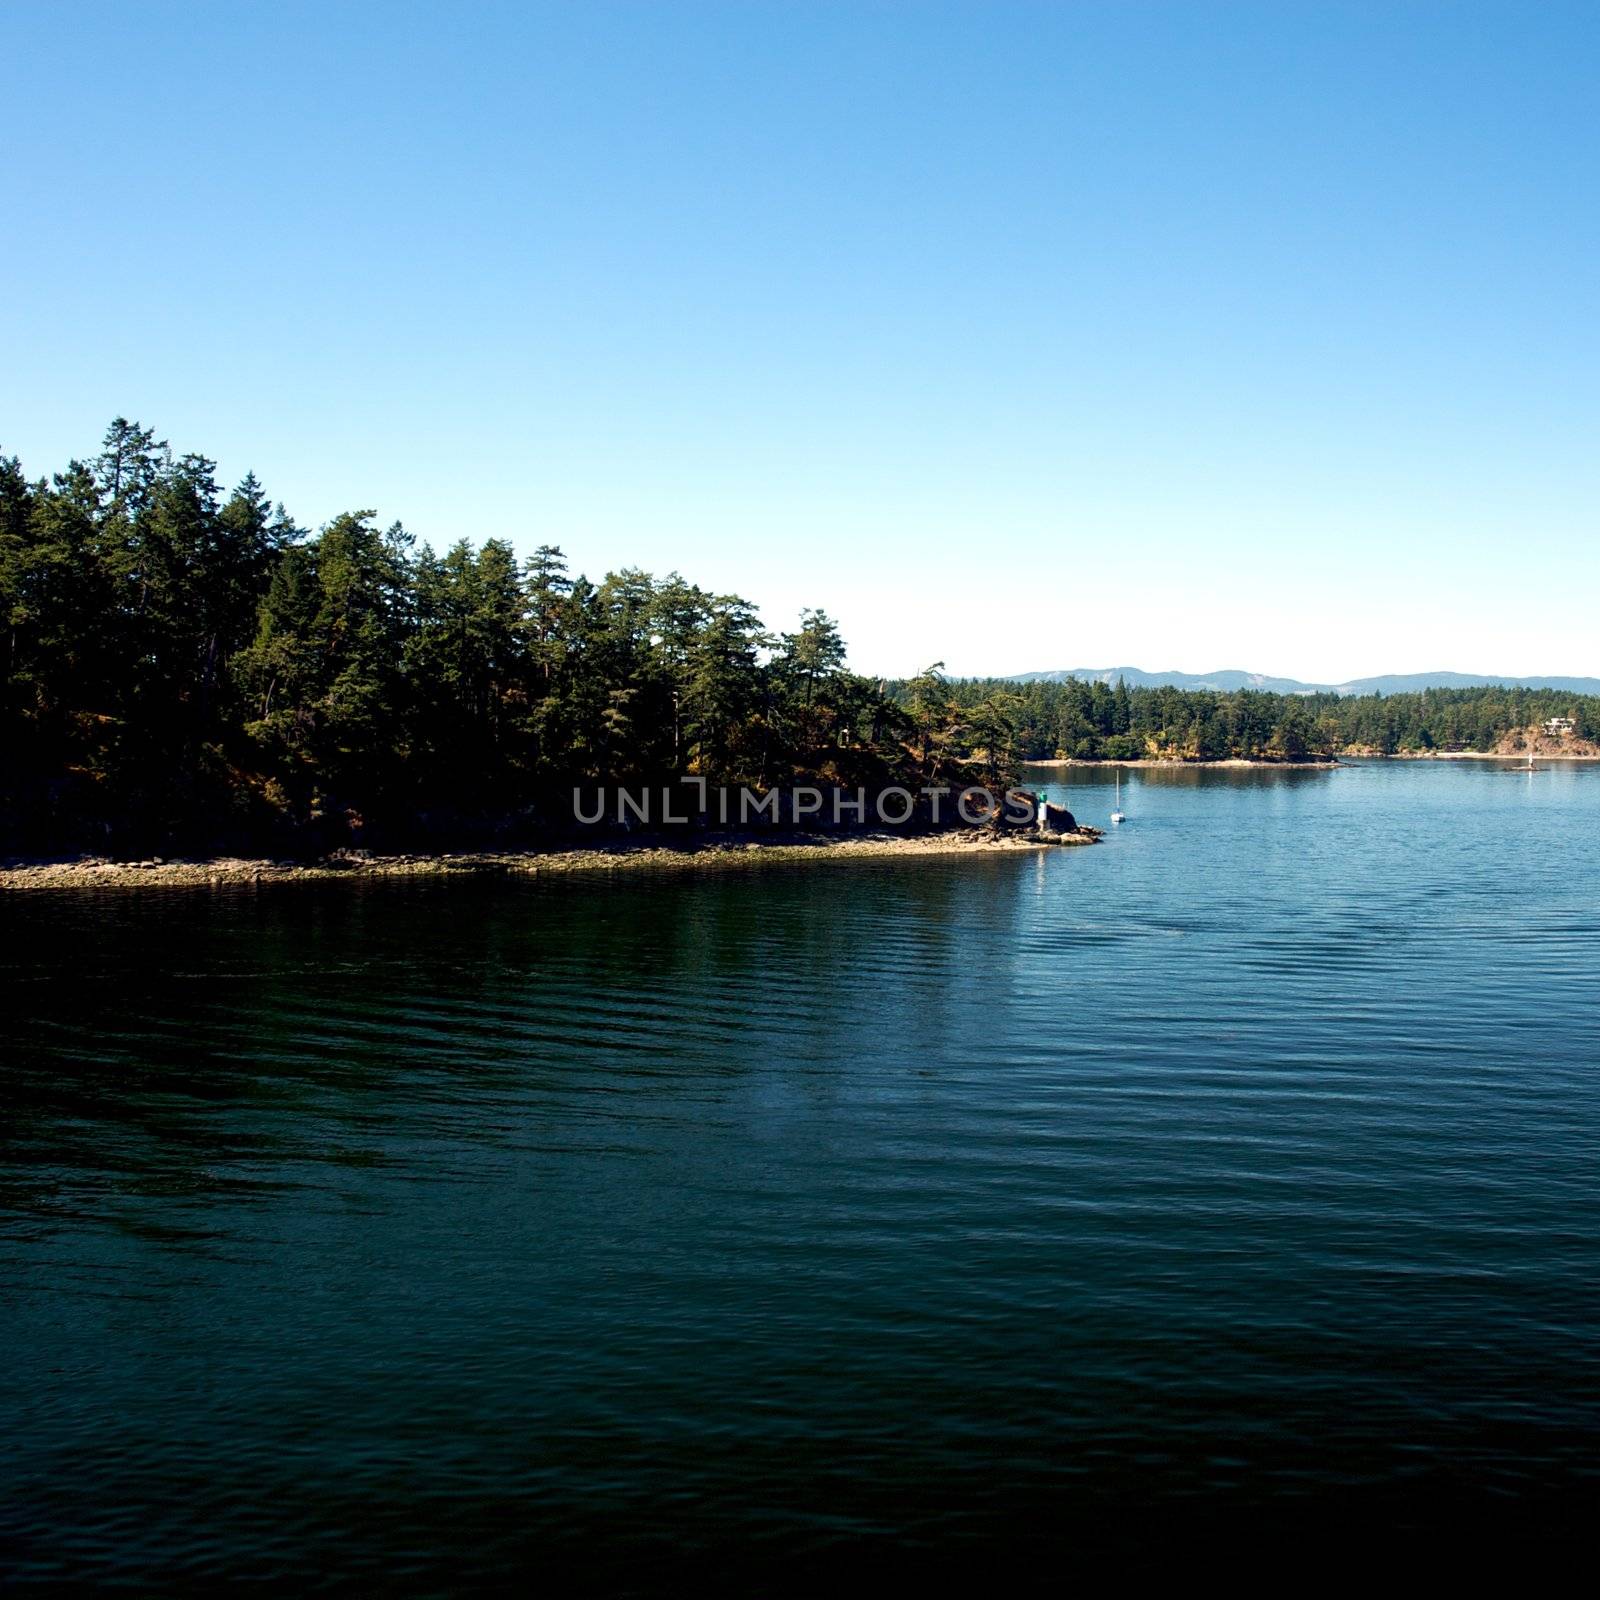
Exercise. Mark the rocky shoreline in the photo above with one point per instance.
(1554, 753)
(657, 855)
(1168, 762)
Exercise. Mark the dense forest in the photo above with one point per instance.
(187, 669)
(1096, 720)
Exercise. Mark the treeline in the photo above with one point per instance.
(186, 668)
(1093, 721)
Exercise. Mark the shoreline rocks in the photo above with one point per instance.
(347, 866)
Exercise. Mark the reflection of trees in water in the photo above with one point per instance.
(199, 1047)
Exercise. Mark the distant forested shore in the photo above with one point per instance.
(186, 669)
(1097, 721)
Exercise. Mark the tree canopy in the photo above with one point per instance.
(186, 667)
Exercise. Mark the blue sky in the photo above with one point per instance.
(1019, 335)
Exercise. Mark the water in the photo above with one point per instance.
(1231, 1184)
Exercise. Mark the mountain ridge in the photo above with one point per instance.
(1230, 679)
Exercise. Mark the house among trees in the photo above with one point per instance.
(1559, 727)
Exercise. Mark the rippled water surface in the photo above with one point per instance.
(1233, 1180)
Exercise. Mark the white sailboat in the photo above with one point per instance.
(1116, 815)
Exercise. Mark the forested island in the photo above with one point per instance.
(188, 670)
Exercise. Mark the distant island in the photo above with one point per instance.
(1229, 680)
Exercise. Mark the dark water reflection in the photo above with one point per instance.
(1230, 1184)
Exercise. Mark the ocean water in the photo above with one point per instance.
(1228, 1188)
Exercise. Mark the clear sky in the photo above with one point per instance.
(1020, 335)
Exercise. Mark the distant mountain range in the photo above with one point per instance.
(1394, 683)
